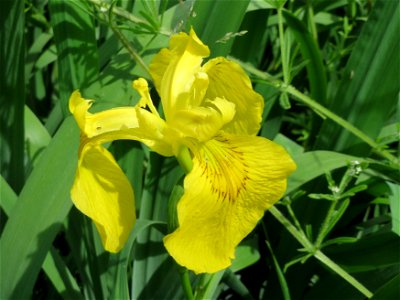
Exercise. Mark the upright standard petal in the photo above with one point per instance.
(228, 80)
(233, 181)
(174, 71)
(103, 193)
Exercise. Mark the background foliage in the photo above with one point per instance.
(329, 74)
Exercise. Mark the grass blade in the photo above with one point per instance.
(312, 164)
(215, 19)
(8, 198)
(53, 265)
(279, 272)
(12, 95)
(395, 206)
(36, 218)
(74, 35)
(369, 89)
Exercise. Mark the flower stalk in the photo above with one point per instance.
(132, 52)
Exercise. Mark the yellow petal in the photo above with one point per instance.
(143, 89)
(79, 107)
(228, 80)
(122, 123)
(203, 122)
(233, 181)
(158, 66)
(174, 71)
(103, 193)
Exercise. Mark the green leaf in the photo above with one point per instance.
(74, 35)
(279, 272)
(12, 92)
(389, 134)
(212, 20)
(369, 88)
(209, 290)
(340, 240)
(233, 281)
(395, 206)
(53, 265)
(251, 46)
(47, 57)
(315, 163)
(119, 263)
(155, 274)
(34, 52)
(246, 254)
(354, 190)
(8, 198)
(311, 53)
(322, 197)
(37, 217)
(337, 214)
(176, 195)
(60, 276)
(372, 252)
(36, 136)
(390, 290)
(292, 147)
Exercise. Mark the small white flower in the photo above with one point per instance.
(335, 189)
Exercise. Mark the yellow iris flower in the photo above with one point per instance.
(211, 110)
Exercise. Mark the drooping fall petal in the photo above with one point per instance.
(233, 181)
(103, 193)
(101, 190)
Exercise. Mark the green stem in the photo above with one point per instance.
(295, 220)
(323, 231)
(185, 280)
(283, 46)
(136, 57)
(336, 198)
(302, 239)
(335, 267)
(118, 11)
(209, 285)
(342, 122)
(184, 159)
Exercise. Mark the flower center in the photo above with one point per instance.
(225, 168)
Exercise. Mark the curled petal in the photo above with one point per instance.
(203, 122)
(79, 107)
(233, 181)
(159, 65)
(141, 86)
(103, 193)
(122, 123)
(228, 80)
(174, 71)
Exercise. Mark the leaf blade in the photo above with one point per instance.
(38, 214)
